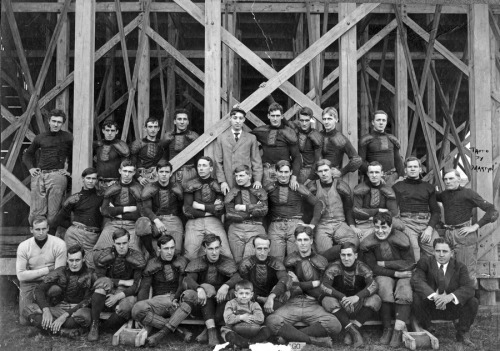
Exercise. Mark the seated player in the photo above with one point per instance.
(121, 204)
(389, 255)
(244, 318)
(86, 222)
(245, 210)
(285, 210)
(36, 257)
(203, 206)
(335, 225)
(161, 207)
(443, 290)
(118, 269)
(373, 196)
(305, 268)
(73, 285)
(351, 285)
(267, 274)
(164, 274)
(208, 281)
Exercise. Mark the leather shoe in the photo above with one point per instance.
(397, 338)
(464, 338)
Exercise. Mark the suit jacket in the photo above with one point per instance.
(457, 281)
(230, 154)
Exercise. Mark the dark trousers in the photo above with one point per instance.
(425, 311)
(211, 310)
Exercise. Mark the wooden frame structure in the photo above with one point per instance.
(474, 144)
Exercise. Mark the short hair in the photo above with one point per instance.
(331, 110)
(243, 168)
(163, 163)
(236, 109)
(412, 158)
(127, 163)
(443, 241)
(207, 158)
(164, 239)
(243, 284)
(349, 245)
(383, 218)
(283, 163)
(57, 113)
(39, 219)
(376, 163)
(306, 111)
(261, 237)
(322, 162)
(152, 120)
(110, 123)
(73, 249)
(303, 229)
(457, 173)
(379, 112)
(180, 111)
(120, 232)
(210, 238)
(87, 171)
(274, 107)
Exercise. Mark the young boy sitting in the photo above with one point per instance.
(244, 319)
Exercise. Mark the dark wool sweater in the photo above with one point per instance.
(164, 200)
(108, 159)
(85, 206)
(381, 147)
(415, 195)
(459, 203)
(335, 145)
(55, 149)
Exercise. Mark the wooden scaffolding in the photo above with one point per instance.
(436, 68)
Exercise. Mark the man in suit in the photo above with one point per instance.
(236, 147)
(443, 290)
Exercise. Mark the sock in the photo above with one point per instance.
(315, 330)
(363, 315)
(403, 313)
(290, 333)
(114, 322)
(386, 314)
(399, 325)
(343, 317)
(97, 301)
(264, 334)
(70, 323)
(147, 241)
(236, 339)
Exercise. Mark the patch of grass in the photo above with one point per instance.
(485, 333)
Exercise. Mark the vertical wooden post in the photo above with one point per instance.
(348, 88)
(401, 96)
(431, 107)
(83, 105)
(364, 112)
(62, 67)
(109, 92)
(298, 47)
(315, 81)
(212, 65)
(168, 114)
(143, 83)
(480, 117)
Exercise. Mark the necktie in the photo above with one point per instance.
(441, 282)
(236, 136)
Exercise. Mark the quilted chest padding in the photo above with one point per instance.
(207, 195)
(123, 199)
(104, 152)
(306, 271)
(302, 141)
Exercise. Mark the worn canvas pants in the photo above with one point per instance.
(196, 229)
(76, 234)
(282, 238)
(81, 315)
(413, 229)
(47, 195)
(240, 237)
(465, 250)
(331, 232)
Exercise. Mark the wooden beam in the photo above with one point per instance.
(418, 97)
(423, 79)
(381, 70)
(313, 30)
(437, 45)
(449, 121)
(348, 84)
(213, 23)
(400, 91)
(143, 82)
(62, 67)
(109, 90)
(480, 117)
(15, 185)
(83, 106)
(13, 120)
(259, 64)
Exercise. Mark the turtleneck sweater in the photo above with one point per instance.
(55, 149)
(85, 206)
(415, 195)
